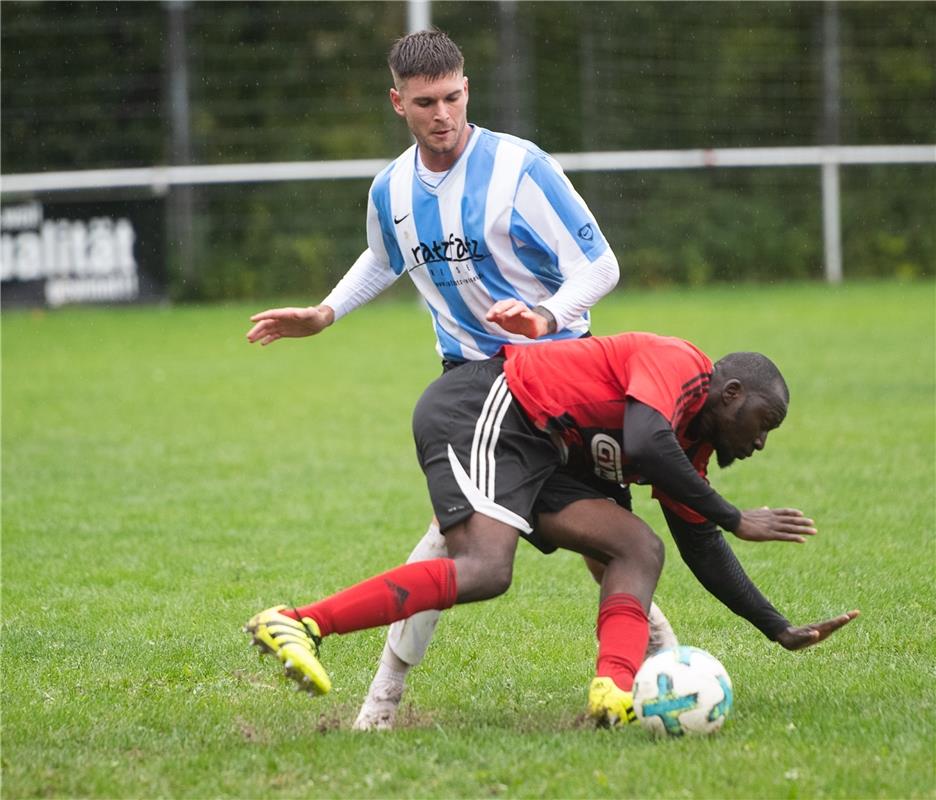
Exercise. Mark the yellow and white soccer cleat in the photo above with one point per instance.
(296, 644)
(609, 706)
(254, 623)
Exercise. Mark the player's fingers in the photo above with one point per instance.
(799, 524)
(275, 315)
(804, 528)
(501, 319)
(789, 512)
(781, 536)
(517, 310)
(822, 630)
(261, 329)
(270, 313)
(799, 530)
(499, 308)
(832, 625)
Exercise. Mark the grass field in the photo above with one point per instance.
(163, 480)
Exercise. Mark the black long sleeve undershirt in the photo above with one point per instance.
(716, 567)
(651, 446)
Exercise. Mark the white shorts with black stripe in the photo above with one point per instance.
(479, 451)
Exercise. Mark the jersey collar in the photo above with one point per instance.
(457, 167)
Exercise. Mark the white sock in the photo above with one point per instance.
(391, 668)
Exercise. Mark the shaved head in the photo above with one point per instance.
(757, 374)
(748, 398)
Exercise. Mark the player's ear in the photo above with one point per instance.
(396, 100)
(732, 391)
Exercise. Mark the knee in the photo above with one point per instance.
(642, 547)
(481, 580)
(659, 552)
(651, 551)
(496, 579)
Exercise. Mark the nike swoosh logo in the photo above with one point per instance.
(398, 221)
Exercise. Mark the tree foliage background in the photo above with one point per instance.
(85, 85)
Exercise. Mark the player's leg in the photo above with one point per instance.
(270, 632)
(561, 490)
(407, 641)
(662, 635)
(633, 558)
(295, 634)
(409, 638)
(481, 567)
(458, 425)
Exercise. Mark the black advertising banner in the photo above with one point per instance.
(58, 253)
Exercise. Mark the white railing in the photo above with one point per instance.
(829, 158)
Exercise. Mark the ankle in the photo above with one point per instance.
(392, 667)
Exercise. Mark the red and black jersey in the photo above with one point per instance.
(577, 391)
(597, 397)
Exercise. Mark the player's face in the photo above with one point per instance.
(744, 426)
(436, 112)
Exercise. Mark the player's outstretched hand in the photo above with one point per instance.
(775, 525)
(517, 317)
(808, 635)
(278, 323)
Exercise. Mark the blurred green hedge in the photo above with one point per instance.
(85, 85)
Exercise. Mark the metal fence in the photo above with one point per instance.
(188, 102)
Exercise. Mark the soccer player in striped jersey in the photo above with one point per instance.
(499, 244)
(631, 408)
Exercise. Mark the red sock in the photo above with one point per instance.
(385, 598)
(623, 634)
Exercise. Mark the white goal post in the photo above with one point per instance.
(828, 157)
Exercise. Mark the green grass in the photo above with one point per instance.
(163, 480)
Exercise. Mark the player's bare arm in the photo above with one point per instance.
(280, 323)
(807, 635)
(517, 317)
(775, 525)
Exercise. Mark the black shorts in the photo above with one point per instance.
(480, 453)
(563, 489)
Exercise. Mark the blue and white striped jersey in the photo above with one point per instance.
(505, 222)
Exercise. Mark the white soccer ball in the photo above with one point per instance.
(683, 690)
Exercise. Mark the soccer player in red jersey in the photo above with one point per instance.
(587, 413)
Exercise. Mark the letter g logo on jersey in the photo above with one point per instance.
(606, 453)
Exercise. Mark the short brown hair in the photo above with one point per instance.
(426, 54)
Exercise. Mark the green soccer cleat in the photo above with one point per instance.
(295, 643)
(609, 706)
